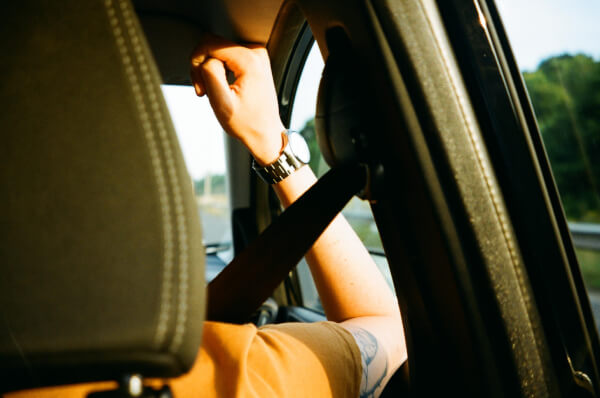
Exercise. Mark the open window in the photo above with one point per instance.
(201, 139)
(302, 104)
(560, 65)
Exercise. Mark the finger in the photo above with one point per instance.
(206, 46)
(196, 75)
(216, 86)
(233, 55)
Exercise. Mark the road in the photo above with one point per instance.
(216, 228)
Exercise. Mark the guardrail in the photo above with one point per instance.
(585, 235)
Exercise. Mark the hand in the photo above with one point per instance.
(247, 108)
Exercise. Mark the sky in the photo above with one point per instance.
(305, 103)
(200, 134)
(536, 29)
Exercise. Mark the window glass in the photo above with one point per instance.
(357, 212)
(202, 143)
(557, 49)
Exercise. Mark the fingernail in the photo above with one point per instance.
(198, 60)
(198, 90)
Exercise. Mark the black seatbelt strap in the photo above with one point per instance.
(253, 274)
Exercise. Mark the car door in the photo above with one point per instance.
(464, 199)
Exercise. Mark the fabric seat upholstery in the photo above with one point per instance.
(102, 260)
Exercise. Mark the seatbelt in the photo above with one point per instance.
(253, 274)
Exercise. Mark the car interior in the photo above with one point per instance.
(116, 245)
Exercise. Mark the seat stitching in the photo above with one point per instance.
(479, 154)
(499, 211)
(165, 295)
(172, 171)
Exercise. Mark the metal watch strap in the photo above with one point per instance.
(277, 171)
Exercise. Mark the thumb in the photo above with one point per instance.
(217, 88)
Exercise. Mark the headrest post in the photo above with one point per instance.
(132, 386)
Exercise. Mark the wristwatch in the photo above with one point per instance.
(294, 155)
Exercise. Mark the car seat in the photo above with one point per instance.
(102, 272)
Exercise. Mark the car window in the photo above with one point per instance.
(202, 143)
(559, 58)
(357, 212)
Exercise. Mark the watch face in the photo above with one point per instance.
(299, 147)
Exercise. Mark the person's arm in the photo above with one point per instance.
(351, 287)
(353, 291)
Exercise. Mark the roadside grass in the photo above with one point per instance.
(589, 262)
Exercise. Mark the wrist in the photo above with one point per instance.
(267, 151)
(290, 189)
(293, 155)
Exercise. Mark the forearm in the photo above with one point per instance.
(348, 281)
(352, 289)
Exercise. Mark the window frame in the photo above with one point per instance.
(490, 71)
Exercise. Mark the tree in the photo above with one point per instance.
(309, 134)
(217, 185)
(565, 92)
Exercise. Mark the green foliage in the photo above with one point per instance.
(589, 263)
(309, 134)
(565, 92)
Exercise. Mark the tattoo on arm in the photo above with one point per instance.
(374, 363)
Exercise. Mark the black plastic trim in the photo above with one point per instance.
(513, 141)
